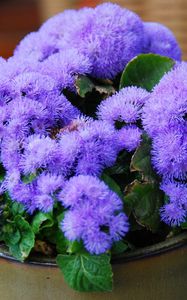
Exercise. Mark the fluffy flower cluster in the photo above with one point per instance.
(50, 151)
(73, 42)
(94, 213)
(165, 120)
(124, 110)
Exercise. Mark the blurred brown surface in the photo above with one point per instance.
(19, 17)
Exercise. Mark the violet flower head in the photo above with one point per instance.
(24, 194)
(11, 149)
(33, 85)
(160, 40)
(44, 202)
(170, 154)
(173, 214)
(63, 67)
(60, 25)
(177, 192)
(36, 46)
(124, 106)
(99, 147)
(39, 152)
(167, 104)
(92, 207)
(120, 39)
(129, 137)
(49, 183)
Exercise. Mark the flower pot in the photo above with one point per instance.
(155, 272)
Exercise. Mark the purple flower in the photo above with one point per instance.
(59, 25)
(97, 242)
(18, 65)
(177, 192)
(72, 225)
(129, 137)
(99, 139)
(81, 189)
(44, 202)
(167, 104)
(6, 92)
(24, 194)
(11, 149)
(36, 46)
(125, 106)
(33, 85)
(118, 226)
(59, 109)
(120, 39)
(160, 40)
(170, 154)
(164, 118)
(94, 215)
(90, 147)
(173, 214)
(40, 151)
(49, 183)
(63, 67)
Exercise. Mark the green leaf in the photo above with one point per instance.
(112, 185)
(141, 160)
(74, 247)
(61, 242)
(119, 247)
(145, 71)
(17, 209)
(184, 225)
(144, 201)
(83, 85)
(29, 178)
(85, 272)
(20, 239)
(41, 221)
(2, 172)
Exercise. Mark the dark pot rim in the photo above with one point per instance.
(159, 248)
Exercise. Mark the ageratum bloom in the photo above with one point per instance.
(170, 153)
(124, 106)
(176, 191)
(172, 214)
(160, 40)
(36, 46)
(164, 118)
(120, 39)
(129, 137)
(93, 215)
(167, 105)
(39, 152)
(63, 67)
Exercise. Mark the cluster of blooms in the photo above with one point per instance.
(49, 150)
(124, 110)
(165, 120)
(95, 213)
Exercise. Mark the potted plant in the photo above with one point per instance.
(93, 148)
